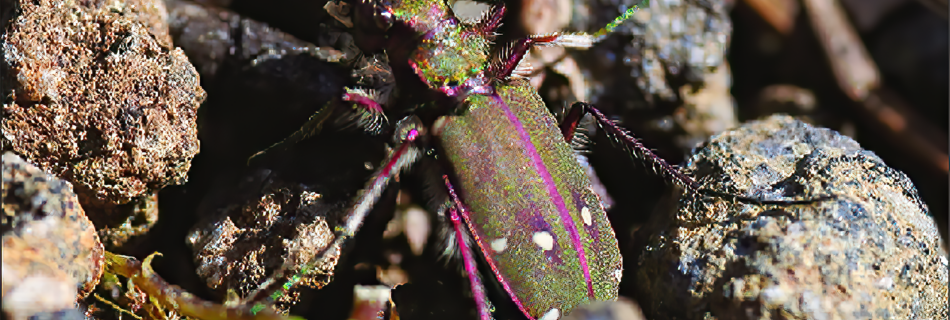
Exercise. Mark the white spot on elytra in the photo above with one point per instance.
(552, 314)
(618, 274)
(585, 214)
(544, 240)
(499, 244)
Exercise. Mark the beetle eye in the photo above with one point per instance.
(452, 83)
(383, 17)
(372, 14)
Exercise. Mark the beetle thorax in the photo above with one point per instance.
(450, 55)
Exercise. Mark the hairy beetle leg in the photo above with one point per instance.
(491, 20)
(408, 130)
(370, 117)
(625, 139)
(312, 127)
(468, 255)
(508, 62)
(638, 151)
(370, 114)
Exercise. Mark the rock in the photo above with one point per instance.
(265, 84)
(151, 13)
(140, 215)
(622, 309)
(213, 37)
(242, 246)
(51, 254)
(708, 108)
(872, 251)
(676, 38)
(370, 301)
(262, 79)
(673, 51)
(284, 212)
(98, 101)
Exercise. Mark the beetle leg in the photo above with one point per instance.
(312, 127)
(583, 40)
(365, 101)
(468, 255)
(633, 145)
(408, 132)
(508, 59)
(491, 20)
(370, 117)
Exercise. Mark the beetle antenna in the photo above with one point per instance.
(756, 201)
(601, 34)
(583, 40)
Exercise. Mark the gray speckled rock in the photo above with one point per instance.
(664, 70)
(871, 252)
(51, 254)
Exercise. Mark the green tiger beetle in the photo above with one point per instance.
(513, 190)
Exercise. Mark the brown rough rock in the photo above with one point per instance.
(51, 253)
(246, 242)
(265, 83)
(140, 215)
(153, 14)
(98, 101)
(873, 251)
(283, 211)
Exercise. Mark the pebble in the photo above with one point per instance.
(100, 100)
(52, 256)
(872, 251)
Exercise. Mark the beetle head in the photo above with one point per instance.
(375, 15)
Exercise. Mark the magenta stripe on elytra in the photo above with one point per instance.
(552, 191)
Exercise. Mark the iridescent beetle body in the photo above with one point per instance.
(533, 213)
(523, 198)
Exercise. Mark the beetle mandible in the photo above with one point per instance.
(522, 198)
